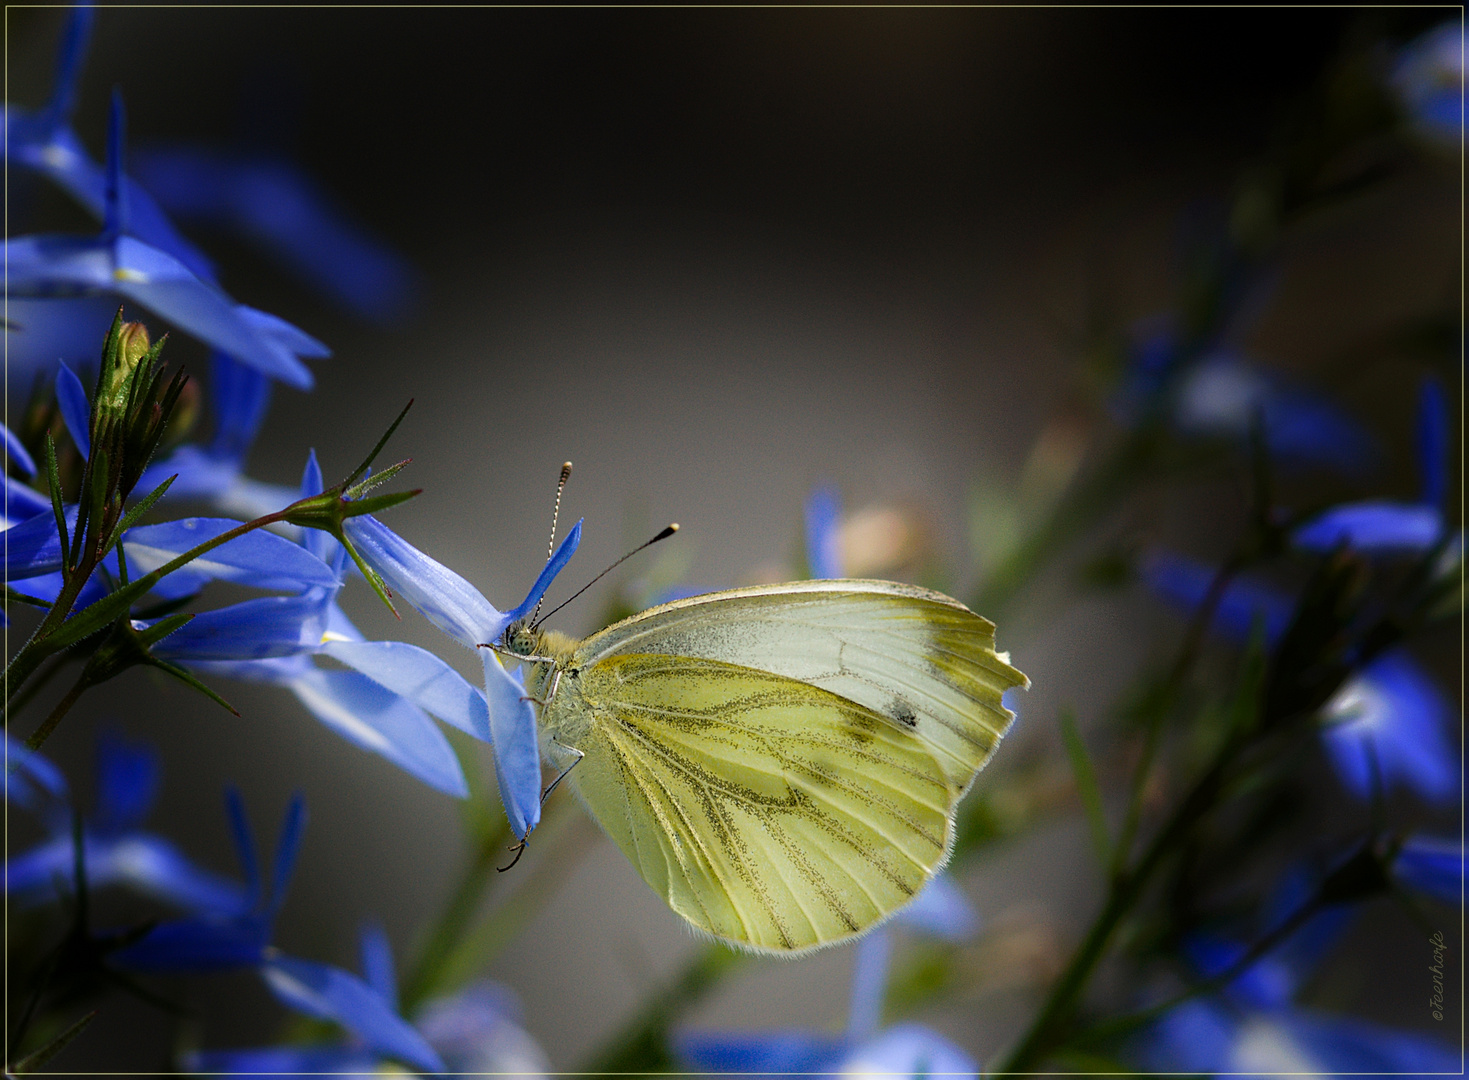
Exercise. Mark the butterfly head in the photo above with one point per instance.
(522, 639)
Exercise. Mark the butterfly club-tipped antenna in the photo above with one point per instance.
(551, 546)
(663, 534)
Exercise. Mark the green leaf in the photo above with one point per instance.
(1086, 786)
(358, 490)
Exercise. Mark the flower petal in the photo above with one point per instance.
(544, 578)
(419, 676)
(127, 783)
(1373, 526)
(439, 594)
(823, 547)
(16, 454)
(1391, 721)
(942, 910)
(517, 754)
(377, 964)
(199, 945)
(909, 1050)
(1432, 865)
(257, 558)
(379, 720)
(76, 410)
(766, 1052)
(33, 547)
(268, 626)
(330, 993)
(283, 1062)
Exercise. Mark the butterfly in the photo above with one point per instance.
(782, 763)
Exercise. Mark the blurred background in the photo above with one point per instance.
(718, 258)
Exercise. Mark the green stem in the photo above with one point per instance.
(1047, 1030)
(42, 733)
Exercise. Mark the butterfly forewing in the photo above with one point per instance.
(919, 659)
(766, 811)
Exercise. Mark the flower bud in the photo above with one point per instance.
(132, 346)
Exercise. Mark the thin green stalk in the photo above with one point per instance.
(1047, 1030)
(42, 733)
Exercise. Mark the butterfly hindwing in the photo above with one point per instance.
(916, 657)
(766, 811)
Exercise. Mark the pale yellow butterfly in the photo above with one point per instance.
(782, 763)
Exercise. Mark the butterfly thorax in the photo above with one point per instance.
(546, 651)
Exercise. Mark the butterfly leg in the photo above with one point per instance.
(579, 755)
(555, 682)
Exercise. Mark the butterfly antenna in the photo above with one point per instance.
(668, 531)
(551, 546)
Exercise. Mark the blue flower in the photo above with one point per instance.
(231, 939)
(1388, 720)
(273, 204)
(118, 851)
(475, 1031)
(1379, 526)
(1432, 865)
(460, 610)
(44, 143)
(823, 534)
(1253, 1027)
(1429, 80)
(382, 703)
(64, 276)
(1210, 1037)
(907, 1050)
(1221, 395)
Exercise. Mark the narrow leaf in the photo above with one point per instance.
(367, 462)
(35, 1060)
(375, 503)
(189, 680)
(1086, 786)
(53, 481)
(144, 505)
(358, 490)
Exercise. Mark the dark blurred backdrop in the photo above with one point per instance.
(714, 257)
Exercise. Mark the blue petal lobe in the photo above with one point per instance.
(823, 550)
(1432, 438)
(381, 721)
(330, 993)
(1373, 527)
(127, 783)
(419, 676)
(443, 597)
(76, 411)
(517, 757)
(377, 964)
(16, 454)
(547, 575)
(258, 558)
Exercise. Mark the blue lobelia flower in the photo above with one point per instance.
(1433, 865)
(231, 940)
(1253, 1027)
(1428, 78)
(43, 142)
(1222, 394)
(118, 851)
(460, 610)
(22, 501)
(382, 703)
(271, 203)
(1379, 526)
(475, 1031)
(59, 285)
(905, 1050)
(1387, 720)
